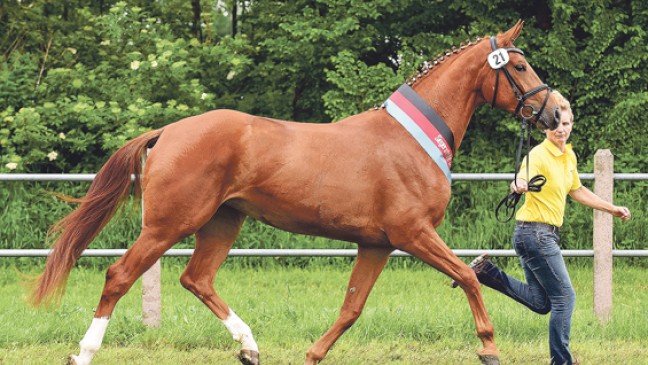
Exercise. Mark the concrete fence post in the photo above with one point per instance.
(603, 245)
(152, 296)
(151, 287)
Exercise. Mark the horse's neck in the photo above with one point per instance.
(453, 92)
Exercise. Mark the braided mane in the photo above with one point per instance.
(427, 66)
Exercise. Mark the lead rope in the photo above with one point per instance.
(534, 184)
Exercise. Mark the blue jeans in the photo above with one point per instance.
(547, 288)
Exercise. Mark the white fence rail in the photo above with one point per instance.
(602, 253)
(306, 252)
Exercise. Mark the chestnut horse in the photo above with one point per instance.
(363, 180)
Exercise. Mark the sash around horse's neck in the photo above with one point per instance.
(424, 124)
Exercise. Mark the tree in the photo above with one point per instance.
(99, 73)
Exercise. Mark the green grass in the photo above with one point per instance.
(411, 317)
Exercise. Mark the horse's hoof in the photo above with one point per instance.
(249, 357)
(489, 359)
(71, 360)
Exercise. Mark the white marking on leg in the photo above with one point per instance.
(91, 341)
(240, 331)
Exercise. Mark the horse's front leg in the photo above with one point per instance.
(368, 266)
(426, 245)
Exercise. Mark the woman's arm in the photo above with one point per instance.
(586, 197)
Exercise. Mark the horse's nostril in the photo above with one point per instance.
(556, 121)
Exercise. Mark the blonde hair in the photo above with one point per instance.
(563, 103)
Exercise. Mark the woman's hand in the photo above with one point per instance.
(519, 186)
(621, 212)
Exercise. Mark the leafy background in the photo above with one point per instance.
(78, 79)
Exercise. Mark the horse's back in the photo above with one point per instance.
(339, 180)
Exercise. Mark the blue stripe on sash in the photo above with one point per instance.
(420, 136)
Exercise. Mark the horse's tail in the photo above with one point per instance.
(108, 192)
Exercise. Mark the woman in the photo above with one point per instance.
(537, 235)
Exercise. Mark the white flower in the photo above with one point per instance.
(61, 135)
(203, 96)
(52, 156)
(154, 64)
(231, 75)
(135, 65)
(11, 165)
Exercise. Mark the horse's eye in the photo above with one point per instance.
(520, 67)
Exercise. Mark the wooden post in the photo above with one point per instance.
(151, 287)
(603, 187)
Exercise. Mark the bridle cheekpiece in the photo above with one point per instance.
(497, 60)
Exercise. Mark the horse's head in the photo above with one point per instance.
(512, 84)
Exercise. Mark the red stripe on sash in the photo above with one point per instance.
(422, 121)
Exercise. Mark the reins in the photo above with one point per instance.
(534, 184)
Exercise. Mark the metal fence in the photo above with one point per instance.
(307, 252)
(312, 252)
(602, 253)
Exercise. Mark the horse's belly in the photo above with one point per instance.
(315, 221)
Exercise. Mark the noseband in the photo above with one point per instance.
(524, 110)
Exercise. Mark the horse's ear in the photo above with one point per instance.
(511, 35)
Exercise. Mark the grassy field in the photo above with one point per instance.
(412, 317)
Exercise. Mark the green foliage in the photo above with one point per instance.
(107, 81)
(77, 81)
(599, 61)
(357, 86)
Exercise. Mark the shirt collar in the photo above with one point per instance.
(554, 149)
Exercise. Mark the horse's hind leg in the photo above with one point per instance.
(185, 208)
(213, 242)
(368, 266)
(430, 248)
(149, 247)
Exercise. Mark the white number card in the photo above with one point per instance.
(498, 58)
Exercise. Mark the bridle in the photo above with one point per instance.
(498, 60)
(526, 111)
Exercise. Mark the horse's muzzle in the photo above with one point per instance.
(549, 120)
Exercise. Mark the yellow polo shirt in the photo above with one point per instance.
(548, 205)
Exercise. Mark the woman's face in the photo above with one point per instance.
(560, 135)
